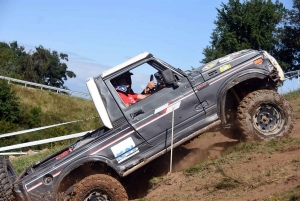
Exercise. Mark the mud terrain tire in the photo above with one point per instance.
(263, 115)
(7, 177)
(99, 187)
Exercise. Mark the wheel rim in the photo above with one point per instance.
(267, 119)
(97, 196)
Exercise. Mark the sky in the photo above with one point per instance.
(98, 35)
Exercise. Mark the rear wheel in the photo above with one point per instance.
(7, 177)
(99, 187)
(264, 114)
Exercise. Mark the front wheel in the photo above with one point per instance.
(99, 187)
(263, 115)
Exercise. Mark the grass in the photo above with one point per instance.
(292, 195)
(58, 108)
(243, 149)
(292, 95)
(55, 108)
(227, 183)
(22, 162)
(270, 146)
(155, 181)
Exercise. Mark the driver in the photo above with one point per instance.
(122, 85)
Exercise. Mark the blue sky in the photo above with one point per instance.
(100, 34)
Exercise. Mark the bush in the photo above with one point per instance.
(9, 103)
(31, 118)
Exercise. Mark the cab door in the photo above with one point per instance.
(152, 116)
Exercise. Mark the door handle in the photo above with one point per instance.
(141, 111)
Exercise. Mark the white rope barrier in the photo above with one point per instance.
(13, 153)
(55, 139)
(42, 128)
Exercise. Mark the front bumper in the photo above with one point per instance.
(275, 64)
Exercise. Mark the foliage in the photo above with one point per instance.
(6, 126)
(9, 103)
(40, 66)
(47, 65)
(288, 48)
(8, 61)
(31, 118)
(42, 108)
(244, 25)
(12, 114)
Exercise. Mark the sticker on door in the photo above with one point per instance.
(124, 150)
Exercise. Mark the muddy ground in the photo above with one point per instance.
(258, 177)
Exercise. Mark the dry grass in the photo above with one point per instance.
(60, 106)
(55, 108)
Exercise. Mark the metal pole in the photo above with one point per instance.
(172, 140)
(298, 78)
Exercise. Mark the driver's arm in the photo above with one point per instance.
(142, 96)
(149, 86)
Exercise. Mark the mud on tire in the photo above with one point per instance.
(7, 177)
(99, 187)
(264, 114)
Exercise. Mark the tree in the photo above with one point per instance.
(40, 66)
(288, 48)
(7, 60)
(48, 67)
(247, 25)
(9, 103)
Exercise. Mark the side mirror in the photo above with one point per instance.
(169, 77)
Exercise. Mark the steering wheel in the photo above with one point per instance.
(153, 89)
(151, 77)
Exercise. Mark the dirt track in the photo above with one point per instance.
(268, 173)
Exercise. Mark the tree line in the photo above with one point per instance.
(40, 66)
(259, 25)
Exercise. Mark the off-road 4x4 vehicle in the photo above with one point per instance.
(236, 92)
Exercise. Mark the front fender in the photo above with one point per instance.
(233, 81)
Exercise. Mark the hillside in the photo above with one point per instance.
(51, 108)
(213, 167)
(210, 167)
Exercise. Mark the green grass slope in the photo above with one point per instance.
(52, 109)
